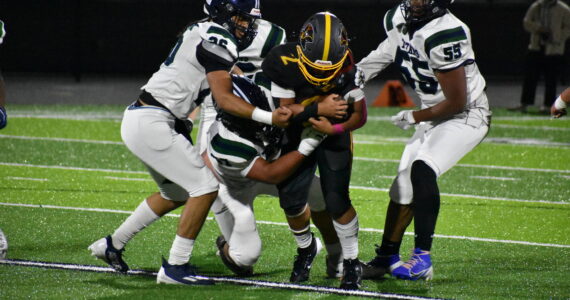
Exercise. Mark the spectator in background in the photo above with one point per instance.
(3, 115)
(558, 109)
(548, 22)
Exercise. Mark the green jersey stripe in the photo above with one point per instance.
(274, 39)
(227, 147)
(2, 32)
(222, 32)
(443, 37)
(389, 17)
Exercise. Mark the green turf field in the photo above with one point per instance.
(66, 180)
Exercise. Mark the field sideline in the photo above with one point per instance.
(66, 180)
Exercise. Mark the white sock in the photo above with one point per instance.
(137, 221)
(348, 236)
(224, 218)
(303, 237)
(180, 251)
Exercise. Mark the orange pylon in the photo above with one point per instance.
(393, 94)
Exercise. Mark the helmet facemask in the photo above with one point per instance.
(237, 17)
(322, 49)
(428, 10)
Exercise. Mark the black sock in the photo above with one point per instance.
(426, 203)
(388, 247)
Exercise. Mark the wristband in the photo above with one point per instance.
(262, 116)
(559, 104)
(338, 128)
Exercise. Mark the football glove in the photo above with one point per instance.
(404, 119)
(3, 117)
(359, 77)
(310, 140)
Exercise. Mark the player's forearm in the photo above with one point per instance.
(221, 86)
(442, 110)
(357, 119)
(277, 171)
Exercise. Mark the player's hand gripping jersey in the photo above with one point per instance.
(180, 84)
(442, 44)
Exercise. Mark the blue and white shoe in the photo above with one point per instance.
(380, 265)
(103, 249)
(418, 267)
(180, 274)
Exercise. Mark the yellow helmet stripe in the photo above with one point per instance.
(327, 36)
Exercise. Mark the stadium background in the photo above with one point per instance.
(62, 51)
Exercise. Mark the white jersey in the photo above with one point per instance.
(442, 44)
(181, 79)
(2, 32)
(268, 36)
(233, 156)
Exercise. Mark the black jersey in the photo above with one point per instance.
(281, 67)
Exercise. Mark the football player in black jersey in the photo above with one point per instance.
(314, 78)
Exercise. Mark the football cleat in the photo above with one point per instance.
(351, 275)
(334, 265)
(418, 267)
(3, 245)
(180, 274)
(380, 265)
(304, 261)
(238, 270)
(103, 249)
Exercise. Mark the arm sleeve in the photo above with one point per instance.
(214, 57)
(377, 60)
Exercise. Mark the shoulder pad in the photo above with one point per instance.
(273, 35)
(277, 64)
(392, 18)
(215, 34)
(442, 37)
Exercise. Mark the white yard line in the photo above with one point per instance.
(239, 281)
(471, 165)
(33, 138)
(27, 178)
(457, 237)
(495, 178)
(127, 179)
(352, 186)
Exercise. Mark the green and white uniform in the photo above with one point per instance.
(249, 61)
(442, 44)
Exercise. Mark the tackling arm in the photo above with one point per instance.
(221, 86)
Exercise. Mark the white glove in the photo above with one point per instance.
(404, 119)
(310, 140)
(359, 77)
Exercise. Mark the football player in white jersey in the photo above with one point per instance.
(434, 53)
(153, 128)
(249, 62)
(3, 115)
(244, 154)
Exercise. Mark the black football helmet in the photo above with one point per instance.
(428, 10)
(267, 136)
(322, 48)
(229, 13)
